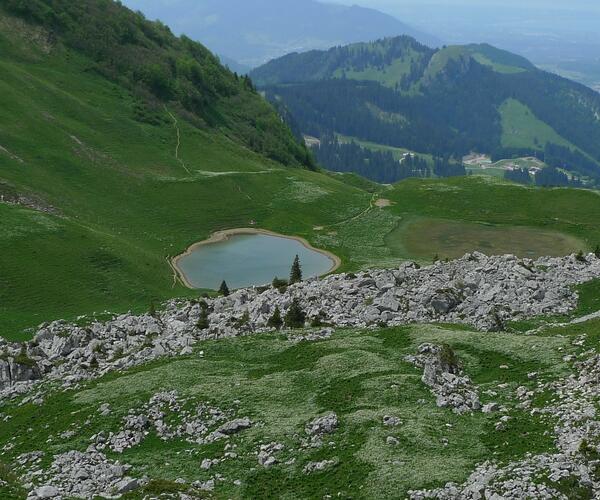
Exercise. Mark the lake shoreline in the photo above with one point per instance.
(224, 235)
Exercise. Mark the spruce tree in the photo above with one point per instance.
(203, 322)
(224, 289)
(295, 317)
(296, 272)
(275, 321)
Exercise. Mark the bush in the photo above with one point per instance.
(23, 359)
(318, 320)
(280, 285)
(275, 321)
(579, 256)
(448, 356)
(203, 322)
(244, 320)
(295, 317)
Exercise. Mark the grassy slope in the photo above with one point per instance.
(362, 376)
(126, 202)
(522, 129)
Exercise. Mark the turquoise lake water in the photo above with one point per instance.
(250, 259)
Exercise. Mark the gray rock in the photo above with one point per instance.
(46, 492)
(234, 426)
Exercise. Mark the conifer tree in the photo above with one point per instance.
(296, 272)
(224, 289)
(203, 322)
(295, 317)
(275, 321)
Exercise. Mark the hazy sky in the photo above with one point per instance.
(487, 20)
(582, 5)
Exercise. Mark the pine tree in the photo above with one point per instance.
(296, 272)
(295, 317)
(275, 321)
(224, 289)
(203, 322)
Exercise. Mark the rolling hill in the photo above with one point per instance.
(447, 102)
(254, 32)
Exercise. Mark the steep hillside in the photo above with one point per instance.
(445, 102)
(254, 32)
(103, 175)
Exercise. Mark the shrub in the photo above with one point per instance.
(579, 256)
(448, 356)
(295, 317)
(203, 322)
(319, 320)
(275, 320)
(23, 359)
(244, 320)
(280, 285)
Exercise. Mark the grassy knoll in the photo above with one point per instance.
(361, 375)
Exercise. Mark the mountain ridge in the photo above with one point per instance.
(451, 99)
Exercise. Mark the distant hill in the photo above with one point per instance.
(253, 32)
(445, 102)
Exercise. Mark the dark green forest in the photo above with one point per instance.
(445, 103)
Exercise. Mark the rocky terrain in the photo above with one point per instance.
(483, 292)
(442, 373)
(576, 433)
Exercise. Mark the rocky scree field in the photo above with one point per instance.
(383, 400)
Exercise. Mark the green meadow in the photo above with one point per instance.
(360, 375)
(130, 185)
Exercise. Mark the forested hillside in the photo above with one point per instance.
(446, 102)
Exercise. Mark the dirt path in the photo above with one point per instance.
(176, 125)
